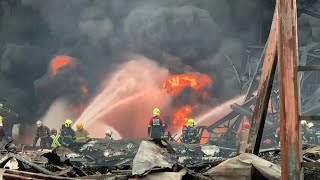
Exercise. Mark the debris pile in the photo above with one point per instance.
(133, 159)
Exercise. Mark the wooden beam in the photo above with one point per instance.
(264, 88)
(291, 156)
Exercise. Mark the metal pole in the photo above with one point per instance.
(264, 88)
(288, 91)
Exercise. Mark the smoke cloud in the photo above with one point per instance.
(57, 113)
(178, 35)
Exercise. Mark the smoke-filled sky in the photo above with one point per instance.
(180, 35)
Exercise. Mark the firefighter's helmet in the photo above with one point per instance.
(190, 123)
(108, 132)
(156, 112)
(67, 123)
(39, 123)
(79, 125)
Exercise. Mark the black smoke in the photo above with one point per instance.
(183, 35)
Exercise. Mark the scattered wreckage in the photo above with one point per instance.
(130, 159)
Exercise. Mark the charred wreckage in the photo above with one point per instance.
(229, 149)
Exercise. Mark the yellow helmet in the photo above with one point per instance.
(67, 123)
(156, 112)
(79, 126)
(190, 123)
(0, 119)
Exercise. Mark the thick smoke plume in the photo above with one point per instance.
(178, 35)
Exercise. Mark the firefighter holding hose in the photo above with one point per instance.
(190, 133)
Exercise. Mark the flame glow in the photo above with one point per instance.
(58, 62)
(84, 89)
(181, 116)
(176, 83)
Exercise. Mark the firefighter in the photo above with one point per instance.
(304, 130)
(55, 139)
(2, 132)
(43, 132)
(167, 134)
(311, 135)
(190, 133)
(67, 133)
(156, 125)
(243, 135)
(108, 134)
(81, 135)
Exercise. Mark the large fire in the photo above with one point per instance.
(58, 62)
(181, 116)
(176, 83)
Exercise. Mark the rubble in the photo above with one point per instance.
(145, 159)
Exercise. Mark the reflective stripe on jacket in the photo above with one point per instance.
(55, 141)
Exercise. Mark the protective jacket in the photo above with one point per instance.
(67, 134)
(190, 135)
(156, 127)
(82, 136)
(43, 132)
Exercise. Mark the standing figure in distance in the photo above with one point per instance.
(156, 125)
(55, 139)
(43, 132)
(82, 135)
(190, 133)
(108, 134)
(67, 133)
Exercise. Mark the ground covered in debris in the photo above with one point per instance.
(143, 159)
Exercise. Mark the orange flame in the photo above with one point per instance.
(181, 116)
(176, 83)
(84, 89)
(58, 62)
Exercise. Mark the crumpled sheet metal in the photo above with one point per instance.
(164, 176)
(12, 164)
(150, 155)
(241, 167)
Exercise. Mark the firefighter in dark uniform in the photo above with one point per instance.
(42, 133)
(67, 134)
(166, 134)
(190, 133)
(156, 125)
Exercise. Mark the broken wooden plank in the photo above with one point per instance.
(264, 88)
(291, 155)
